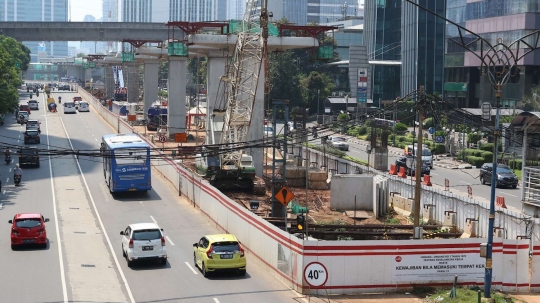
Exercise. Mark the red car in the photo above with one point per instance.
(28, 228)
(24, 108)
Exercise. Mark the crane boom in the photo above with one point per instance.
(241, 83)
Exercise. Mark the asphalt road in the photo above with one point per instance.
(30, 274)
(178, 281)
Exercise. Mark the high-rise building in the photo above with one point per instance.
(109, 9)
(465, 85)
(405, 48)
(198, 10)
(40, 11)
(235, 9)
(324, 11)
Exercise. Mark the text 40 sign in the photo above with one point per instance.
(315, 274)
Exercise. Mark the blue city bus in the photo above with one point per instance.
(126, 163)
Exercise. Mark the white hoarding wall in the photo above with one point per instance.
(351, 266)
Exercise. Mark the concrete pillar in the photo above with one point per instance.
(215, 69)
(176, 117)
(257, 125)
(151, 71)
(109, 81)
(132, 83)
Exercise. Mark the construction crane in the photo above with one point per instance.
(235, 169)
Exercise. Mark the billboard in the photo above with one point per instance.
(362, 85)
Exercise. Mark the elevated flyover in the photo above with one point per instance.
(85, 31)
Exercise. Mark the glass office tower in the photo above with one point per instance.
(493, 19)
(405, 47)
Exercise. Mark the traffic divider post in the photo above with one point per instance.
(427, 180)
(392, 170)
(501, 202)
(402, 173)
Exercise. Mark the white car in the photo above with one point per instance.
(33, 104)
(83, 106)
(69, 107)
(268, 131)
(340, 143)
(143, 241)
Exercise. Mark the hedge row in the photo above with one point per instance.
(476, 161)
(487, 156)
(519, 164)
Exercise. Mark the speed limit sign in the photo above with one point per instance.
(315, 274)
(162, 138)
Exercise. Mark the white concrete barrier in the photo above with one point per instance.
(353, 266)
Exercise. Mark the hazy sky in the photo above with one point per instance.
(81, 8)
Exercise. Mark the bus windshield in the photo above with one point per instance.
(131, 156)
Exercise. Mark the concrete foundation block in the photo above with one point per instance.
(317, 184)
(409, 204)
(471, 228)
(429, 214)
(450, 219)
(498, 233)
(317, 175)
(296, 182)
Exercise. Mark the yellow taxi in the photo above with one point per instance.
(219, 253)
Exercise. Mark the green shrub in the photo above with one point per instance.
(437, 149)
(362, 130)
(400, 127)
(401, 145)
(400, 138)
(475, 161)
(478, 153)
(489, 147)
(487, 156)
(517, 164)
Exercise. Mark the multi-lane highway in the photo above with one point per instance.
(83, 261)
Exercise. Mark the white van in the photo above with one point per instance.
(84, 106)
(427, 156)
(69, 107)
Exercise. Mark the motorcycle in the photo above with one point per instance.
(37, 94)
(17, 179)
(8, 159)
(30, 96)
(2, 122)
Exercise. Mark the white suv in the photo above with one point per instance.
(143, 241)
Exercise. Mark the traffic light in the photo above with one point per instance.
(300, 222)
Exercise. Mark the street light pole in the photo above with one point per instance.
(318, 106)
(489, 252)
(418, 172)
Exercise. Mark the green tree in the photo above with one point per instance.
(11, 53)
(80, 55)
(531, 102)
(284, 79)
(197, 71)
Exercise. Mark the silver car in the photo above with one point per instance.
(340, 143)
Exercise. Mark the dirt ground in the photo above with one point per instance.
(318, 201)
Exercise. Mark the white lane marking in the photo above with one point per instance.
(95, 139)
(190, 267)
(216, 300)
(465, 182)
(169, 239)
(140, 202)
(433, 174)
(7, 180)
(128, 289)
(10, 170)
(502, 192)
(153, 219)
(56, 222)
(4, 191)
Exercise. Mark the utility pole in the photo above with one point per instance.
(318, 106)
(418, 172)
